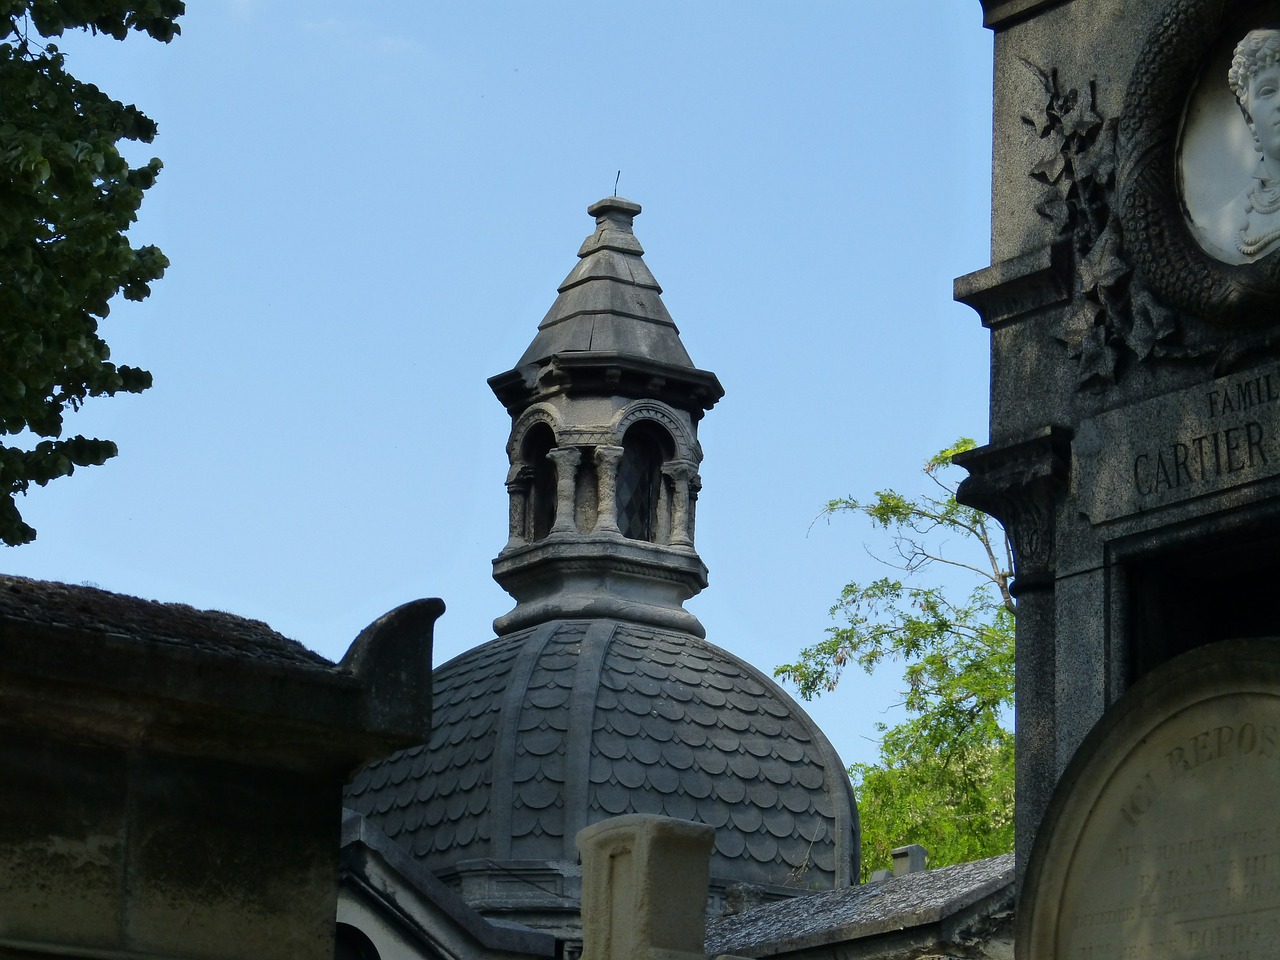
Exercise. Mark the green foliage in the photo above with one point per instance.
(945, 775)
(67, 198)
(958, 805)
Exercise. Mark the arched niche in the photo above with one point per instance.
(642, 500)
(685, 446)
(351, 943)
(540, 473)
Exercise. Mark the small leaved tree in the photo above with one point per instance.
(67, 198)
(945, 774)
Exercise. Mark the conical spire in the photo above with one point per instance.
(609, 319)
(604, 453)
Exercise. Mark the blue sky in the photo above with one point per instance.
(368, 208)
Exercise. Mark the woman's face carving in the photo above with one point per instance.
(1264, 110)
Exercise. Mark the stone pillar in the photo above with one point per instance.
(912, 858)
(695, 488)
(607, 459)
(566, 460)
(644, 888)
(1020, 485)
(519, 481)
(681, 473)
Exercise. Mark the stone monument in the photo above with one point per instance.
(1135, 456)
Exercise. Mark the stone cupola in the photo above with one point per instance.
(604, 450)
(601, 696)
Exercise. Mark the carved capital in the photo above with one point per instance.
(695, 488)
(519, 477)
(680, 471)
(1020, 485)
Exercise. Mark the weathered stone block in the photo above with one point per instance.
(644, 888)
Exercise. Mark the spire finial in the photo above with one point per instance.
(622, 209)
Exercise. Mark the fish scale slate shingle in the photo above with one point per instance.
(547, 730)
(447, 804)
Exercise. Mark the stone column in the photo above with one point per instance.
(644, 888)
(695, 488)
(519, 481)
(681, 473)
(566, 460)
(1020, 485)
(607, 459)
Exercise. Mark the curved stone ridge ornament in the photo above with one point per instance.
(1161, 839)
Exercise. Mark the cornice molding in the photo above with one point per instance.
(999, 14)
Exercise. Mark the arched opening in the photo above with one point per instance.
(645, 447)
(351, 943)
(537, 443)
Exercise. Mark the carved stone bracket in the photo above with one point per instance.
(1002, 14)
(1012, 289)
(1020, 485)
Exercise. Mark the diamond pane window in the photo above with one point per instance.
(534, 448)
(640, 481)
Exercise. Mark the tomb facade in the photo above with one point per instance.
(1133, 304)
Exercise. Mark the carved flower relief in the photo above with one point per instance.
(1077, 164)
(1112, 316)
(1103, 266)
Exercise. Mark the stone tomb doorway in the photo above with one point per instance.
(1184, 589)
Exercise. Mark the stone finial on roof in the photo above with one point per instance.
(614, 218)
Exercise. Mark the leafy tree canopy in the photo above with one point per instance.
(945, 775)
(67, 198)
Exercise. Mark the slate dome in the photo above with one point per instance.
(545, 731)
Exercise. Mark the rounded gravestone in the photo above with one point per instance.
(1162, 839)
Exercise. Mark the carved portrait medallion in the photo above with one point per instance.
(1229, 151)
(1199, 155)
